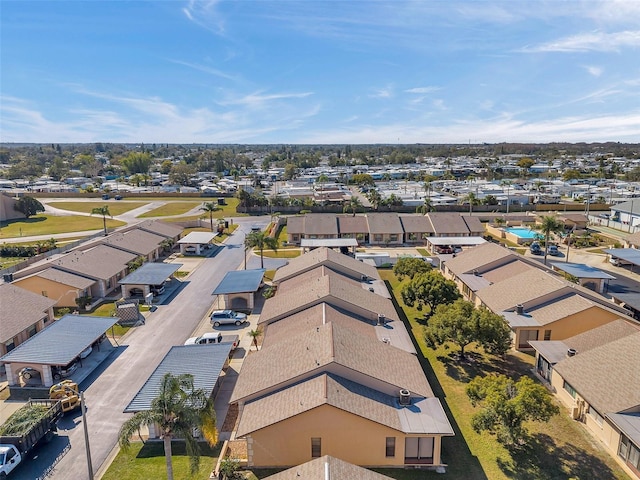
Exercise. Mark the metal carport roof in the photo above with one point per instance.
(580, 270)
(150, 274)
(204, 362)
(198, 237)
(62, 341)
(455, 240)
(240, 281)
(627, 254)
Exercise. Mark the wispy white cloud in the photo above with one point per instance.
(258, 99)
(423, 90)
(386, 92)
(593, 70)
(205, 14)
(588, 42)
(207, 69)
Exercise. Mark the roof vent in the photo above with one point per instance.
(405, 397)
(520, 309)
(371, 289)
(386, 340)
(571, 352)
(381, 319)
(365, 278)
(476, 273)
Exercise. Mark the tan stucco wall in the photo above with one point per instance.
(574, 324)
(349, 437)
(7, 210)
(64, 294)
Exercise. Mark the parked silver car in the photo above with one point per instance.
(227, 317)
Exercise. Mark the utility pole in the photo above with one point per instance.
(83, 406)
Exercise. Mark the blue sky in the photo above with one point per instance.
(320, 71)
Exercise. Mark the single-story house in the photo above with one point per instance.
(61, 286)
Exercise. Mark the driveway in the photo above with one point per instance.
(114, 384)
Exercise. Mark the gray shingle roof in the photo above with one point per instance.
(426, 416)
(295, 225)
(137, 241)
(326, 348)
(416, 224)
(160, 228)
(19, 309)
(607, 376)
(447, 224)
(474, 225)
(102, 262)
(317, 470)
(321, 224)
(348, 224)
(325, 256)
(477, 257)
(61, 342)
(65, 278)
(204, 362)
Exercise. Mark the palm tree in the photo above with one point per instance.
(353, 204)
(472, 199)
(261, 240)
(104, 211)
(177, 410)
(375, 199)
(209, 207)
(254, 334)
(549, 225)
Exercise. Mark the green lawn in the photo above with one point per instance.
(6, 262)
(146, 461)
(179, 207)
(558, 449)
(115, 209)
(51, 225)
(280, 253)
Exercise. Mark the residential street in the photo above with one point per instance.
(109, 390)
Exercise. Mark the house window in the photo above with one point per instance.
(595, 415)
(393, 237)
(547, 335)
(32, 330)
(316, 447)
(295, 238)
(569, 388)
(544, 368)
(526, 336)
(629, 452)
(10, 345)
(377, 237)
(391, 447)
(413, 237)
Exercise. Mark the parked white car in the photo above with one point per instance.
(212, 337)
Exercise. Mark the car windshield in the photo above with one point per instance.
(2, 458)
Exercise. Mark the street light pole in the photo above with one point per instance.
(83, 406)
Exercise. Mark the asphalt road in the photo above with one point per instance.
(109, 389)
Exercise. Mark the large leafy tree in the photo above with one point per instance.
(429, 288)
(461, 323)
(104, 211)
(506, 405)
(261, 240)
(137, 162)
(549, 225)
(410, 267)
(28, 206)
(178, 409)
(209, 207)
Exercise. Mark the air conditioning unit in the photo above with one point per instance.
(575, 413)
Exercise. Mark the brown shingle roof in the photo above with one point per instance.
(331, 289)
(315, 316)
(295, 225)
(101, 262)
(519, 289)
(416, 224)
(559, 308)
(137, 241)
(352, 225)
(474, 224)
(304, 277)
(447, 224)
(19, 309)
(65, 278)
(607, 376)
(325, 348)
(599, 336)
(506, 271)
(320, 224)
(381, 223)
(477, 257)
(317, 470)
(325, 256)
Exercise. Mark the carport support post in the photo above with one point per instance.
(86, 434)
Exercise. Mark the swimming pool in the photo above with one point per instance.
(522, 232)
